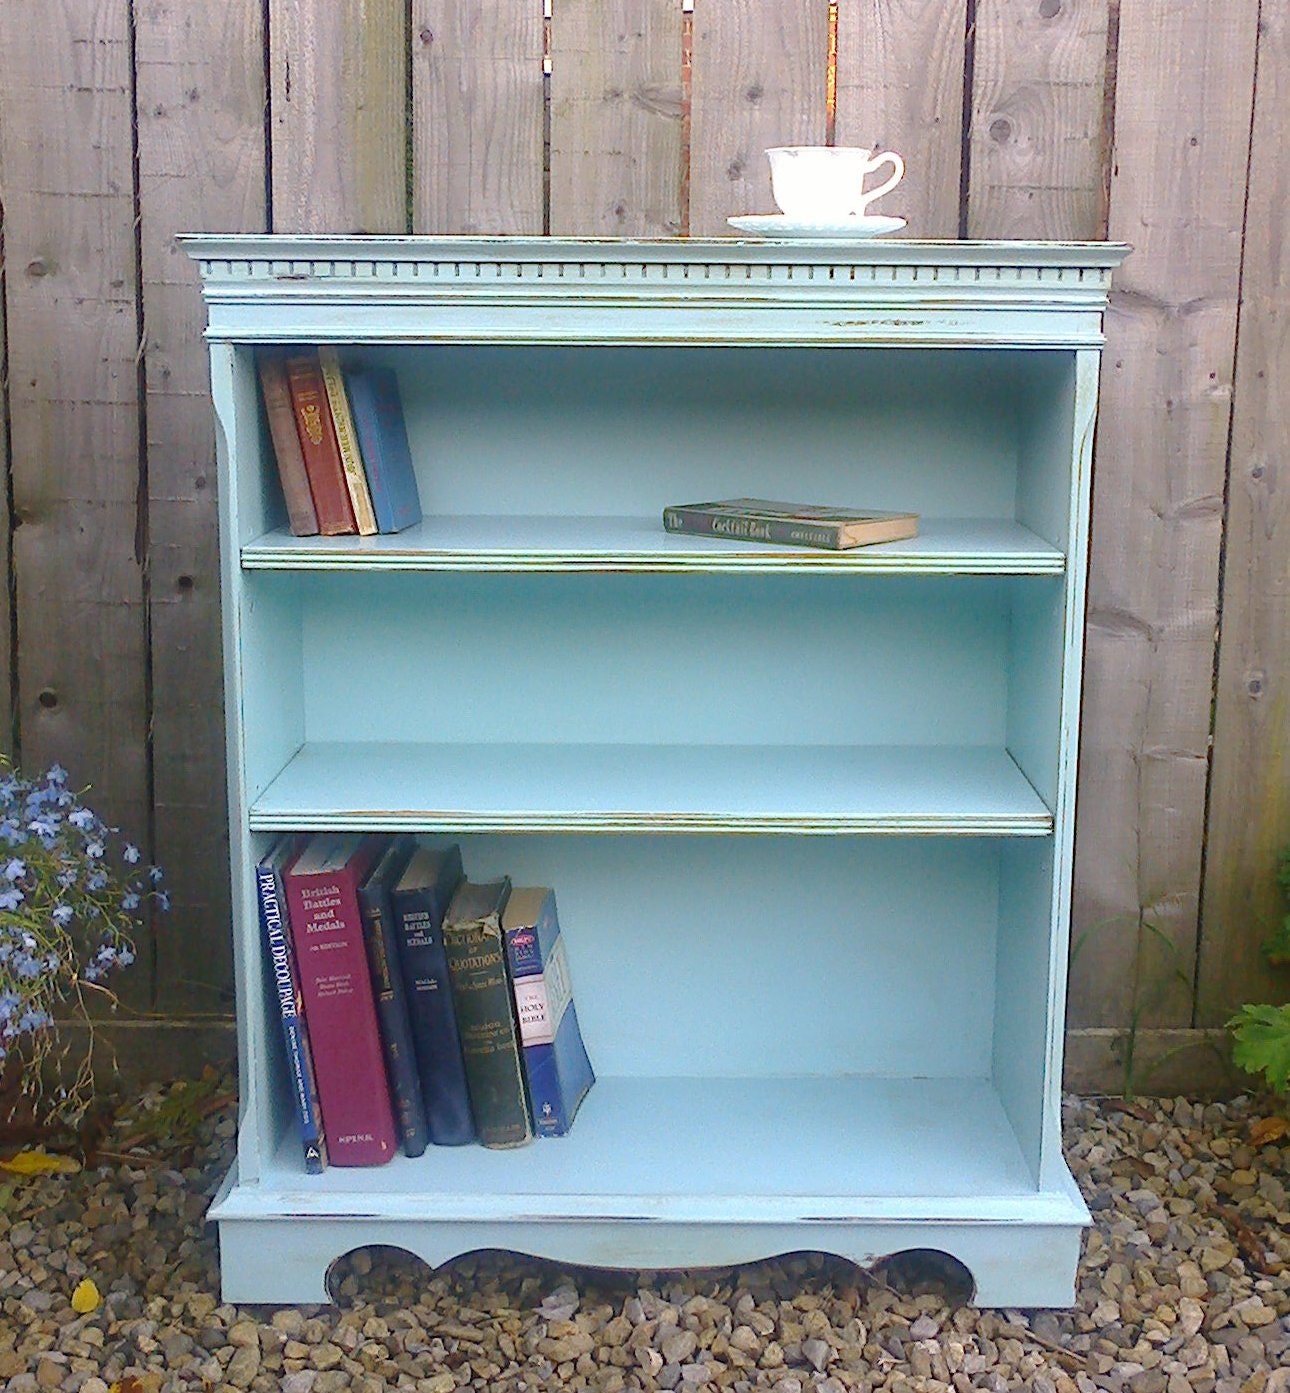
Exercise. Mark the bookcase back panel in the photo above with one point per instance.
(628, 430)
(796, 660)
(833, 956)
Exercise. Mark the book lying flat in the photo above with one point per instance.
(791, 524)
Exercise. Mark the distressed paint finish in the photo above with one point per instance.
(1181, 143)
(477, 116)
(760, 76)
(616, 118)
(73, 339)
(200, 105)
(1249, 803)
(900, 87)
(339, 130)
(1038, 144)
(994, 1190)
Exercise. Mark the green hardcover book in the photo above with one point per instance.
(485, 1005)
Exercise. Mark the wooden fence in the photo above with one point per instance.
(1164, 123)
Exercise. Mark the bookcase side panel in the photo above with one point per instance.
(255, 1135)
(1087, 369)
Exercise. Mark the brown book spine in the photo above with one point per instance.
(317, 438)
(301, 515)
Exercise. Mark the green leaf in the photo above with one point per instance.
(1262, 1043)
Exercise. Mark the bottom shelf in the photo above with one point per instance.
(701, 1148)
(688, 1173)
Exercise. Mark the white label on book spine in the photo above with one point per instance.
(541, 1001)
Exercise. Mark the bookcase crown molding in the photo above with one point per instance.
(487, 289)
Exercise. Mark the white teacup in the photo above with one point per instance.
(825, 183)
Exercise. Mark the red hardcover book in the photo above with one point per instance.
(318, 444)
(327, 931)
(286, 444)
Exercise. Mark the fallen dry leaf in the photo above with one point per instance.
(1268, 1130)
(85, 1298)
(40, 1163)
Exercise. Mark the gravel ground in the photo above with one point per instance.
(1184, 1288)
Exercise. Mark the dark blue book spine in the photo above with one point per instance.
(383, 442)
(556, 1065)
(392, 1011)
(419, 912)
(287, 991)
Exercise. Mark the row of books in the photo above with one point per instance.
(340, 441)
(417, 1007)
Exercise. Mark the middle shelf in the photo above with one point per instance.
(944, 546)
(457, 788)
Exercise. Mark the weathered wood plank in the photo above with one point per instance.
(200, 86)
(1249, 805)
(79, 552)
(8, 716)
(1185, 78)
(760, 73)
(900, 87)
(338, 116)
(616, 118)
(477, 116)
(1037, 146)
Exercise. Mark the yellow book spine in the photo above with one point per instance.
(347, 438)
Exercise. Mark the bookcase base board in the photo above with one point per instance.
(1013, 1262)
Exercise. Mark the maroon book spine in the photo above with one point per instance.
(318, 444)
(327, 931)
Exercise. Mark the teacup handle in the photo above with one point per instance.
(897, 174)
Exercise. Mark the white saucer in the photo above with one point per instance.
(780, 225)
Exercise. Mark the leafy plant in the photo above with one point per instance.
(1261, 1043)
(71, 897)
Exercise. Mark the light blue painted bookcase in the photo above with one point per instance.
(808, 814)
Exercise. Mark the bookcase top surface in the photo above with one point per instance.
(262, 288)
(251, 247)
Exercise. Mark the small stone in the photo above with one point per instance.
(94, 1384)
(442, 1382)
(331, 1381)
(679, 1346)
(302, 1381)
(817, 1353)
(50, 1373)
(244, 1334)
(650, 1360)
(244, 1365)
(772, 1356)
(924, 1328)
(326, 1356)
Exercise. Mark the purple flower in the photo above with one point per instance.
(15, 870)
(131, 853)
(155, 874)
(130, 900)
(11, 898)
(94, 849)
(11, 832)
(62, 915)
(163, 899)
(125, 957)
(57, 774)
(82, 819)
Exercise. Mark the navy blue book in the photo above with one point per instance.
(421, 897)
(381, 941)
(383, 442)
(286, 990)
(555, 1058)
